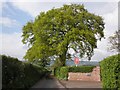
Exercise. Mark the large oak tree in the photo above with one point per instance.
(52, 33)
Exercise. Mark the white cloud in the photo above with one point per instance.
(111, 25)
(109, 7)
(100, 54)
(101, 8)
(33, 8)
(12, 45)
(1, 5)
(111, 22)
(8, 22)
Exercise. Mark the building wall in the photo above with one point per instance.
(93, 76)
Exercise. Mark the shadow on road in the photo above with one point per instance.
(48, 82)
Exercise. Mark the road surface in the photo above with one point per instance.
(54, 83)
(81, 84)
(48, 83)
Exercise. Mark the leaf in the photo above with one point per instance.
(55, 31)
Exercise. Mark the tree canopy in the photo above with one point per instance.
(52, 33)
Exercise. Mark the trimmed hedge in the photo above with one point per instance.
(62, 72)
(110, 72)
(16, 74)
(82, 69)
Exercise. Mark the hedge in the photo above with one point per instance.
(82, 69)
(62, 72)
(16, 74)
(110, 72)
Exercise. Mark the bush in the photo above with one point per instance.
(83, 69)
(61, 73)
(110, 72)
(57, 72)
(16, 74)
(64, 73)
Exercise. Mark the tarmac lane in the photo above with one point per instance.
(48, 83)
(53, 83)
(81, 84)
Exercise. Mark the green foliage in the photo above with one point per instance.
(53, 32)
(64, 73)
(83, 69)
(57, 72)
(17, 74)
(61, 73)
(110, 72)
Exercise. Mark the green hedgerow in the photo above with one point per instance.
(17, 74)
(82, 69)
(110, 72)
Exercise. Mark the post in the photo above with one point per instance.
(76, 65)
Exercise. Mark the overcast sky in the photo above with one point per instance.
(13, 15)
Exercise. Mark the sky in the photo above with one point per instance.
(15, 14)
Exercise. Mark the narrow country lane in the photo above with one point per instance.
(52, 82)
(48, 83)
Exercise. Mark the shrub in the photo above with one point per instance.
(57, 72)
(110, 72)
(16, 74)
(83, 69)
(64, 73)
(61, 73)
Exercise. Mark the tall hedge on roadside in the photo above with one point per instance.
(110, 72)
(17, 74)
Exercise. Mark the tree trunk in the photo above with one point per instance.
(62, 58)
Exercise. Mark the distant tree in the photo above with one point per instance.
(114, 42)
(52, 33)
